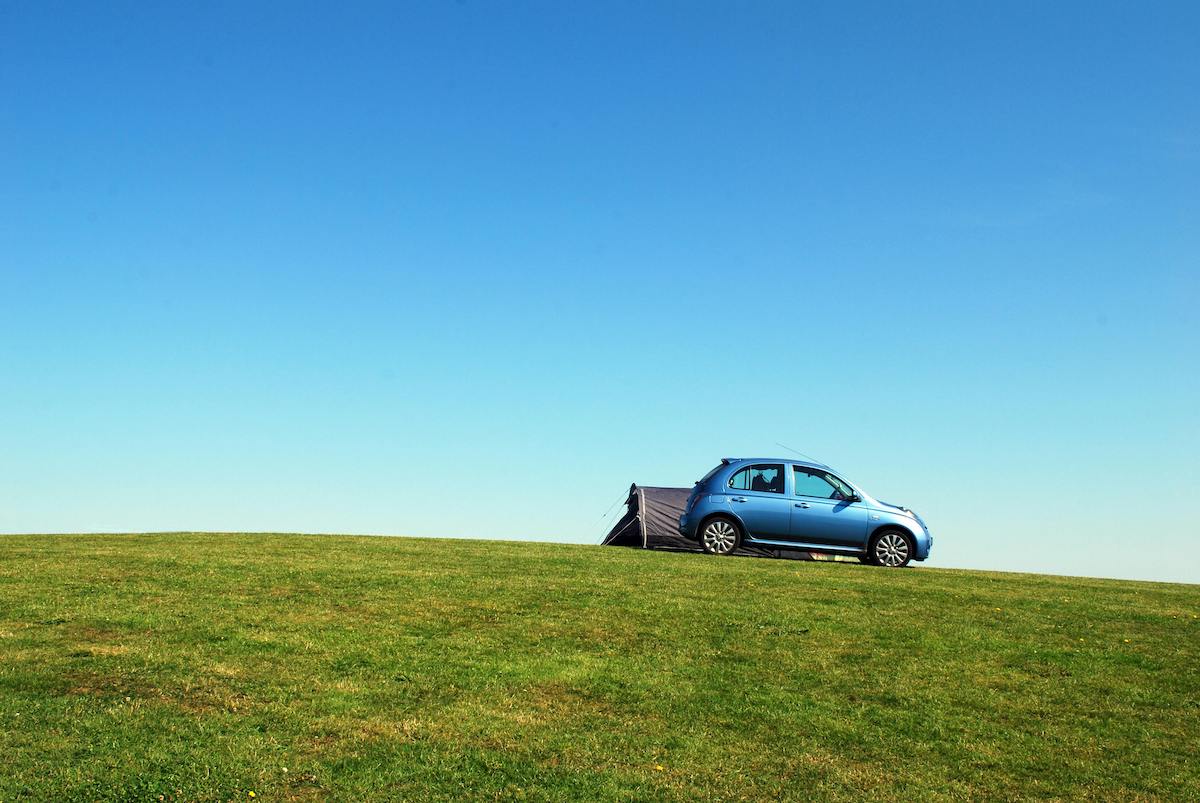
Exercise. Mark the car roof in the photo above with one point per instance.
(792, 460)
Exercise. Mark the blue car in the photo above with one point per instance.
(795, 504)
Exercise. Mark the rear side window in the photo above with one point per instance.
(767, 477)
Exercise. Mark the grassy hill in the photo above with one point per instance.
(307, 667)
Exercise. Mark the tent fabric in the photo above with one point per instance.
(628, 529)
(651, 521)
(660, 509)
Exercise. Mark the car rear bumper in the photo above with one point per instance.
(687, 526)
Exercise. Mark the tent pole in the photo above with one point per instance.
(642, 516)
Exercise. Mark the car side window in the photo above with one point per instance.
(768, 478)
(819, 484)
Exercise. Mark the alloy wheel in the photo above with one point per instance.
(891, 550)
(719, 537)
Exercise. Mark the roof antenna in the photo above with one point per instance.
(802, 454)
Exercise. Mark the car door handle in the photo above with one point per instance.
(738, 499)
(802, 504)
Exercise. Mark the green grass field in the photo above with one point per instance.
(207, 667)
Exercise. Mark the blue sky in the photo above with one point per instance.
(469, 269)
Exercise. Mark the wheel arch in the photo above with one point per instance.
(722, 514)
(888, 527)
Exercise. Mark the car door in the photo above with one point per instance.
(825, 510)
(756, 494)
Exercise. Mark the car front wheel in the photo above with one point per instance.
(719, 537)
(891, 549)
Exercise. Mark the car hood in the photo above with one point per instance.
(889, 507)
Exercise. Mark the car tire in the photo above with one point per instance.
(720, 536)
(891, 549)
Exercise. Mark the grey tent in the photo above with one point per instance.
(651, 521)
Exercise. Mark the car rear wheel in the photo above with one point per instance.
(891, 549)
(719, 536)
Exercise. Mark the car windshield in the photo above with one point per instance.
(845, 490)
